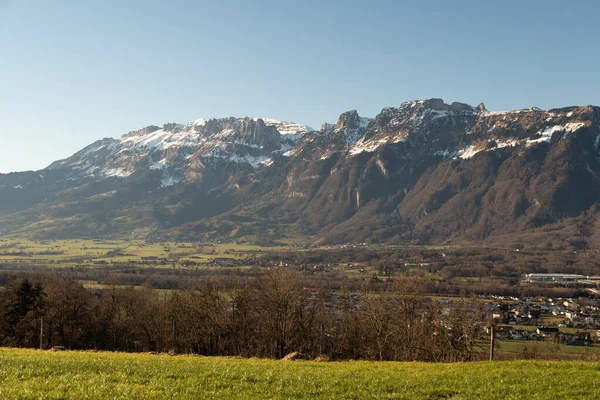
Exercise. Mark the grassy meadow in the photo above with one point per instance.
(32, 374)
(547, 349)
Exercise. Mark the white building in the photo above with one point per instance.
(556, 278)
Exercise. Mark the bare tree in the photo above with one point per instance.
(279, 298)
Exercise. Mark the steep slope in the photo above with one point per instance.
(431, 172)
(423, 172)
(427, 172)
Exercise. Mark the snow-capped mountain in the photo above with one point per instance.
(424, 171)
(181, 152)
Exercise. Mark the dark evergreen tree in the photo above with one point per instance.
(21, 310)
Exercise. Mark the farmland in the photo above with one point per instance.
(77, 375)
(62, 253)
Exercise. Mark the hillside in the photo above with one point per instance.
(424, 172)
(76, 375)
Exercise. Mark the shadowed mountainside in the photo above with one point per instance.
(424, 172)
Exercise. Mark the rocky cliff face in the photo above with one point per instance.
(431, 172)
(423, 172)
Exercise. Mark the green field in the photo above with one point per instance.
(31, 374)
(61, 253)
(547, 349)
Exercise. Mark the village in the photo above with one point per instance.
(561, 320)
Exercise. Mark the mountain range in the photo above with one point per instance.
(425, 172)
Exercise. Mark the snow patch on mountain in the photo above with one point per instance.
(500, 144)
(546, 133)
(469, 152)
(160, 164)
(199, 122)
(160, 140)
(286, 128)
(168, 180)
(444, 153)
(254, 161)
(370, 146)
(118, 172)
(176, 147)
(495, 113)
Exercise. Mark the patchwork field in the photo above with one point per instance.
(90, 375)
(97, 252)
(17, 252)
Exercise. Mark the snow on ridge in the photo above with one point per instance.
(516, 111)
(573, 126)
(408, 104)
(492, 113)
(118, 172)
(436, 104)
(545, 136)
(469, 152)
(255, 161)
(369, 146)
(286, 128)
(546, 133)
(107, 144)
(509, 143)
(160, 140)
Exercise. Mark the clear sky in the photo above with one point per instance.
(72, 72)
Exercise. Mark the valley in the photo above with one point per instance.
(299, 200)
(487, 284)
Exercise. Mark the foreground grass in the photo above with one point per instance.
(86, 375)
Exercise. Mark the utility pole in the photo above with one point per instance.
(41, 333)
(322, 339)
(492, 343)
(174, 339)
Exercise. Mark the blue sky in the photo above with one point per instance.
(72, 72)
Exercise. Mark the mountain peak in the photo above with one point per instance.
(440, 105)
(349, 119)
(141, 132)
(255, 131)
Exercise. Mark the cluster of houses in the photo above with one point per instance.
(581, 314)
(584, 338)
(230, 262)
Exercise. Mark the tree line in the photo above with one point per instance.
(270, 316)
